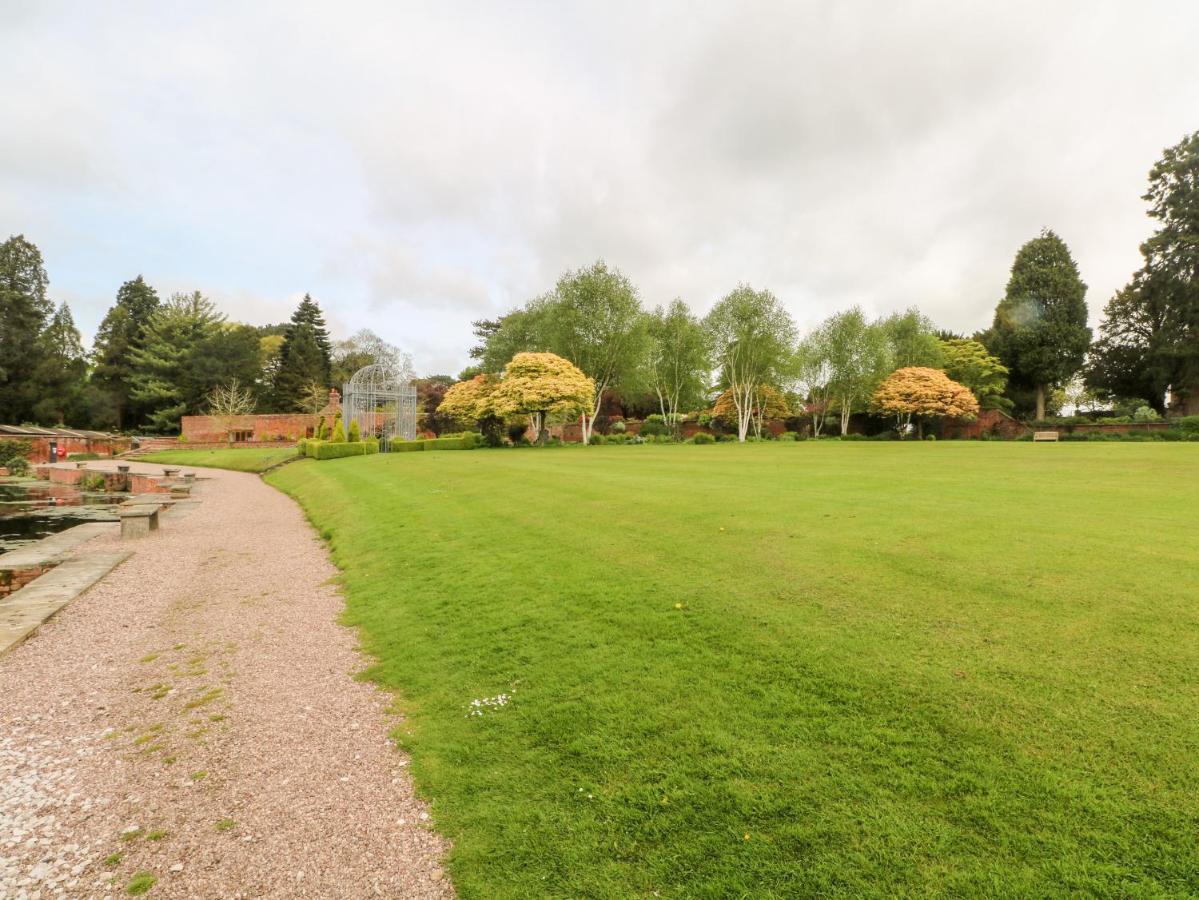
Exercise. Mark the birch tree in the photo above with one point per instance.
(858, 360)
(594, 319)
(679, 358)
(752, 340)
(814, 378)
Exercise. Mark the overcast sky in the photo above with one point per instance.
(415, 167)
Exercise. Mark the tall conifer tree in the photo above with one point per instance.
(305, 356)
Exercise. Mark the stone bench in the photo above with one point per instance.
(1045, 436)
(138, 520)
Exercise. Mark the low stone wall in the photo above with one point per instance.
(114, 482)
(12, 580)
(1116, 428)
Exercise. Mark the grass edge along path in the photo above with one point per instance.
(250, 459)
(964, 669)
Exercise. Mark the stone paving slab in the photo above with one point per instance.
(23, 612)
(54, 548)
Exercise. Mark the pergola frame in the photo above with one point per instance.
(381, 398)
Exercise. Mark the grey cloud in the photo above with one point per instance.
(418, 166)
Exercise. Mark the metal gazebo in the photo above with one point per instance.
(381, 398)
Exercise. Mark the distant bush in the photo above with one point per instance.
(618, 427)
(355, 433)
(93, 482)
(788, 436)
(516, 433)
(18, 465)
(398, 446)
(598, 439)
(654, 426)
(702, 437)
(1145, 414)
(1189, 425)
(930, 437)
(853, 437)
(83, 457)
(12, 451)
(337, 435)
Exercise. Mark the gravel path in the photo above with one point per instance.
(193, 719)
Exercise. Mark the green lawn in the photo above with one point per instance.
(966, 669)
(242, 460)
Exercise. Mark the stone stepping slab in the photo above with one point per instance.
(54, 548)
(23, 612)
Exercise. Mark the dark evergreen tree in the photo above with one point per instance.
(24, 314)
(305, 356)
(1149, 339)
(120, 335)
(1040, 331)
(62, 373)
(162, 367)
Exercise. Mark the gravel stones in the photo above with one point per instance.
(194, 716)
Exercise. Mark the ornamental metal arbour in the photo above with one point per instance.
(381, 398)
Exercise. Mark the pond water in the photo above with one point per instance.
(30, 510)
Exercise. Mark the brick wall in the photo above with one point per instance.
(41, 446)
(268, 427)
(990, 421)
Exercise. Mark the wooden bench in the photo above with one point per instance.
(1045, 436)
(138, 520)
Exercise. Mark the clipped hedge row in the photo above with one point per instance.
(468, 441)
(315, 449)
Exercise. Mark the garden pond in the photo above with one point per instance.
(30, 509)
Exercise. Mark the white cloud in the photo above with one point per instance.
(418, 166)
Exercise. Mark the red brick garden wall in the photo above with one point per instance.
(41, 446)
(270, 427)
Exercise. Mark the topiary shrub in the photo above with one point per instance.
(702, 437)
(355, 434)
(338, 434)
(618, 427)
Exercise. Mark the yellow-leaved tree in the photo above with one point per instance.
(920, 393)
(540, 385)
(469, 401)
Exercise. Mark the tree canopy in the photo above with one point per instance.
(305, 355)
(1040, 329)
(918, 392)
(753, 337)
(1149, 338)
(541, 385)
(968, 362)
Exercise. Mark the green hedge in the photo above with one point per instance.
(337, 449)
(468, 441)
